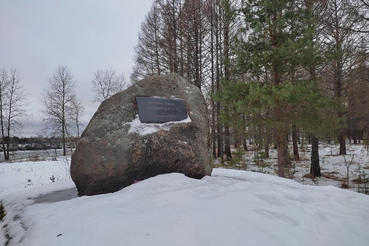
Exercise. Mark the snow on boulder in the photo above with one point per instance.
(117, 149)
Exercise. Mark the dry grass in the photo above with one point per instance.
(309, 176)
(333, 176)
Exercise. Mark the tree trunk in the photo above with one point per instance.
(220, 140)
(218, 88)
(7, 149)
(266, 147)
(244, 144)
(227, 144)
(354, 135)
(4, 150)
(315, 165)
(237, 142)
(227, 77)
(342, 140)
(213, 136)
(8, 133)
(281, 150)
(6, 157)
(64, 144)
(296, 156)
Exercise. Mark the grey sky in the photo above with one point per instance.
(85, 35)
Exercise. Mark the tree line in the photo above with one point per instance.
(270, 70)
(39, 143)
(62, 109)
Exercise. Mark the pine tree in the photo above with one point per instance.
(278, 44)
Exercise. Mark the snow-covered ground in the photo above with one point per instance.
(231, 207)
(333, 168)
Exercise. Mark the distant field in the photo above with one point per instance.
(34, 155)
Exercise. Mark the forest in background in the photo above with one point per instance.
(272, 71)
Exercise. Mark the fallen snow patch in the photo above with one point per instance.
(149, 128)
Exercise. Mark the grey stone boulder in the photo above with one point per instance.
(116, 149)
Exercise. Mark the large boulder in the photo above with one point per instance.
(116, 149)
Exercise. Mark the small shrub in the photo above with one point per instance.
(289, 166)
(366, 142)
(344, 186)
(262, 164)
(259, 157)
(362, 181)
(2, 211)
(29, 183)
(238, 160)
(52, 178)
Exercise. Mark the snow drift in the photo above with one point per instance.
(229, 208)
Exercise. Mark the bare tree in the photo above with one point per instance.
(3, 85)
(149, 54)
(12, 106)
(58, 101)
(341, 49)
(77, 110)
(193, 39)
(106, 83)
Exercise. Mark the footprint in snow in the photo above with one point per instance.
(281, 218)
(270, 199)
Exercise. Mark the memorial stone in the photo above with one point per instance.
(156, 126)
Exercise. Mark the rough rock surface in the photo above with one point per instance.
(115, 150)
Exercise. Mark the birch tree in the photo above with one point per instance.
(12, 106)
(58, 101)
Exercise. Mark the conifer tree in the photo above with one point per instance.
(278, 43)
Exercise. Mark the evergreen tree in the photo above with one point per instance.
(278, 44)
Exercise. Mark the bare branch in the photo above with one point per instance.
(106, 83)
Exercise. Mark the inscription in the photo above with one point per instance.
(160, 110)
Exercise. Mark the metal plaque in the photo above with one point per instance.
(160, 110)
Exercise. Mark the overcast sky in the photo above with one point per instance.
(85, 35)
